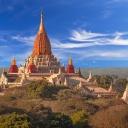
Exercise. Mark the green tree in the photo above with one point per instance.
(97, 77)
(58, 120)
(80, 120)
(15, 120)
(103, 80)
(120, 86)
(114, 77)
(41, 88)
(121, 82)
(37, 88)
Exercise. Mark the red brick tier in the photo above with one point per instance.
(13, 69)
(70, 69)
(32, 68)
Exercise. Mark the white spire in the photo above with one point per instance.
(90, 75)
(41, 17)
(65, 82)
(110, 88)
(13, 58)
(59, 70)
(41, 22)
(125, 95)
(80, 84)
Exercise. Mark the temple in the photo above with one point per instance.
(42, 63)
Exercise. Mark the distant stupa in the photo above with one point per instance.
(125, 95)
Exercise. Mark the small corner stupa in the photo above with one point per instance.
(70, 67)
(125, 95)
(13, 67)
(111, 87)
(31, 66)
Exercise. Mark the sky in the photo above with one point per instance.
(94, 32)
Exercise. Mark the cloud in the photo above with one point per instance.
(27, 40)
(81, 39)
(81, 44)
(98, 54)
(83, 35)
(58, 44)
(2, 40)
(99, 38)
(5, 5)
(117, 1)
(106, 14)
(22, 56)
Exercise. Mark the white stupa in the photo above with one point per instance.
(125, 95)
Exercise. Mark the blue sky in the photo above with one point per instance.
(95, 32)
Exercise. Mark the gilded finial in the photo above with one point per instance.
(70, 56)
(70, 60)
(3, 70)
(111, 87)
(41, 16)
(90, 75)
(41, 21)
(13, 60)
(31, 60)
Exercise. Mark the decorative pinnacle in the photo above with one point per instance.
(3, 70)
(70, 56)
(41, 22)
(41, 16)
(70, 60)
(31, 60)
(13, 58)
(90, 75)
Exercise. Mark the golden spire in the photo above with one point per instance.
(13, 60)
(70, 60)
(41, 22)
(42, 44)
(31, 60)
(90, 75)
(111, 87)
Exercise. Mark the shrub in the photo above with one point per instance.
(15, 121)
(113, 117)
(58, 120)
(80, 120)
(37, 88)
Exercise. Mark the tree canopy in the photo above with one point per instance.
(15, 120)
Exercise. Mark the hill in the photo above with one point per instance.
(38, 105)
